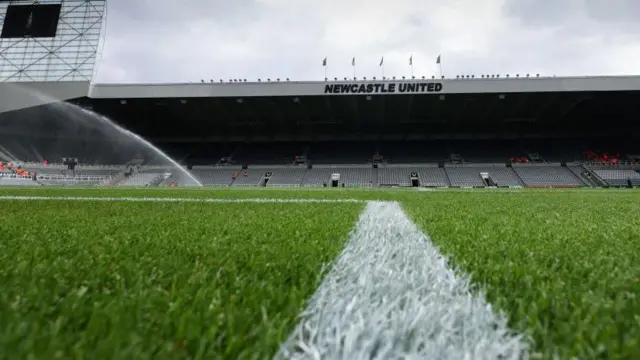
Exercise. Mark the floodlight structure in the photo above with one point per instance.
(51, 40)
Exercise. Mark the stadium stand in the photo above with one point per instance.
(585, 175)
(13, 180)
(141, 179)
(503, 176)
(317, 176)
(435, 133)
(425, 131)
(350, 176)
(547, 176)
(199, 153)
(428, 176)
(465, 177)
(248, 177)
(78, 180)
(471, 176)
(433, 177)
(388, 176)
(267, 153)
(215, 176)
(491, 150)
(471, 152)
(341, 152)
(290, 176)
(619, 177)
(412, 152)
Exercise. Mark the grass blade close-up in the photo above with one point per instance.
(251, 274)
(159, 280)
(565, 267)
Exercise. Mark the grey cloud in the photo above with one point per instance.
(171, 12)
(543, 13)
(586, 16)
(169, 41)
(614, 11)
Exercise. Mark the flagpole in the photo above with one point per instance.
(411, 65)
(324, 65)
(439, 62)
(382, 67)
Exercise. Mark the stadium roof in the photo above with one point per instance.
(15, 96)
(293, 111)
(367, 87)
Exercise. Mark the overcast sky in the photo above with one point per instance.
(189, 40)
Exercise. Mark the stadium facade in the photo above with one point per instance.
(463, 131)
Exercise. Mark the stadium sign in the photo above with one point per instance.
(410, 87)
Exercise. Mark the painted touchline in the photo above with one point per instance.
(167, 199)
(390, 295)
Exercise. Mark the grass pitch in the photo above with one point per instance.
(565, 267)
(196, 280)
(119, 280)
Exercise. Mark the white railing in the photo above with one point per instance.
(76, 177)
(14, 176)
(53, 179)
(619, 165)
(283, 185)
(16, 180)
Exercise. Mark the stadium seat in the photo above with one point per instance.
(349, 176)
(291, 176)
(401, 176)
(215, 176)
(547, 176)
(141, 179)
(618, 177)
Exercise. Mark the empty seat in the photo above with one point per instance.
(351, 177)
(394, 176)
(286, 176)
(503, 176)
(465, 176)
(401, 176)
(469, 176)
(317, 176)
(252, 178)
(96, 172)
(618, 177)
(545, 176)
(215, 177)
(140, 179)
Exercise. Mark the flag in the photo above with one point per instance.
(438, 59)
(411, 60)
(381, 61)
(353, 61)
(324, 62)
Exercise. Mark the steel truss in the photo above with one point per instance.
(72, 55)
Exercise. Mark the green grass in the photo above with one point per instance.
(159, 280)
(174, 280)
(565, 267)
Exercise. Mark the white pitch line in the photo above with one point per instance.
(177, 200)
(391, 295)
